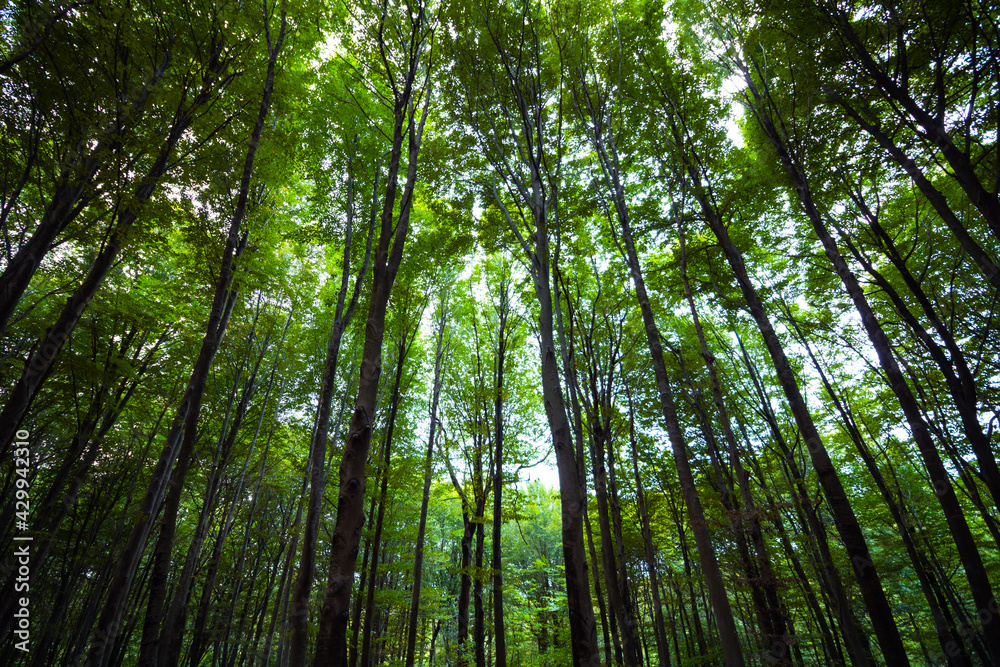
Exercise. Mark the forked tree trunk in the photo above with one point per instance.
(331, 642)
(539, 192)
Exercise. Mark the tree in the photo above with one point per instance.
(406, 85)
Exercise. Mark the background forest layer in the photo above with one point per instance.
(299, 300)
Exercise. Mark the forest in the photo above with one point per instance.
(499, 332)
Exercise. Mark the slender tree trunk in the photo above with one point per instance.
(366, 633)
(241, 560)
(496, 563)
(944, 633)
(479, 620)
(662, 648)
(286, 573)
(602, 608)
(167, 654)
(317, 449)
(363, 577)
(418, 562)
(699, 633)
(812, 527)
(603, 140)
(572, 489)
(539, 192)
(615, 594)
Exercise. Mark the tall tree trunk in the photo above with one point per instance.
(316, 466)
(163, 647)
(331, 642)
(539, 193)
(611, 582)
(662, 648)
(363, 577)
(479, 620)
(572, 489)
(418, 561)
(496, 563)
(944, 633)
(366, 633)
(696, 515)
(811, 526)
(602, 608)
(465, 588)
